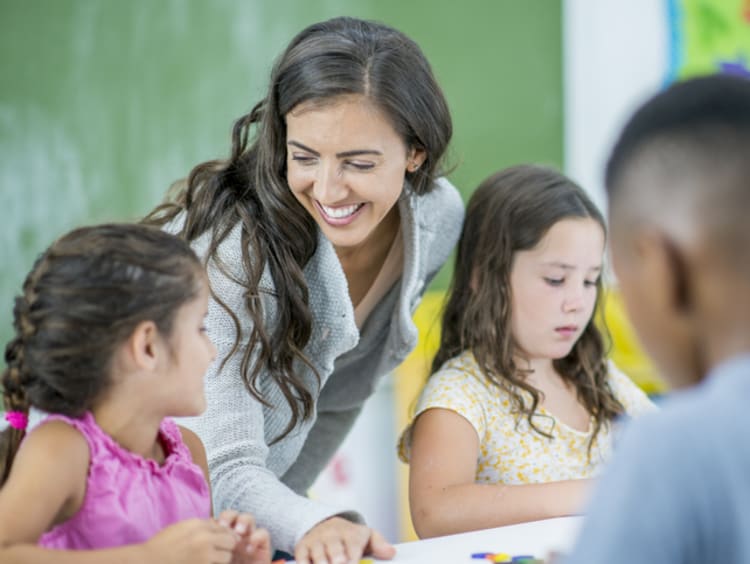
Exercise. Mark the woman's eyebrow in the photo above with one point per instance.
(357, 152)
(342, 155)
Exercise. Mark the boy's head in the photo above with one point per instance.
(678, 182)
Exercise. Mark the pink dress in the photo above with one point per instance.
(129, 498)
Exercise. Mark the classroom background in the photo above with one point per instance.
(103, 104)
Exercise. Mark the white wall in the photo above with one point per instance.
(616, 54)
(362, 474)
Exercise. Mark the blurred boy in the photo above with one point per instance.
(678, 182)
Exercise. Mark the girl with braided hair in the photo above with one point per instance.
(110, 343)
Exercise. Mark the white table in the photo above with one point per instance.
(537, 538)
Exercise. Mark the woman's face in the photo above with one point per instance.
(346, 165)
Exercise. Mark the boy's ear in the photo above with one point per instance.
(143, 345)
(666, 262)
(682, 296)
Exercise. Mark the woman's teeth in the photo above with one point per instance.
(341, 212)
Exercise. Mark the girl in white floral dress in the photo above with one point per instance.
(519, 412)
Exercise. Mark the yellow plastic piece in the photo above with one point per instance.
(626, 351)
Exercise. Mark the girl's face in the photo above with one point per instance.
(191, 352)
(346, 165)
(553, 288)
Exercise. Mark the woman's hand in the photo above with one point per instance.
(194, 541)
(338, 541)
(253, 544)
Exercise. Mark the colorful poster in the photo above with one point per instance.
(708, 36)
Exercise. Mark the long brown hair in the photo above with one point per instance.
(326, 60)
(511, 211)
(83, 297)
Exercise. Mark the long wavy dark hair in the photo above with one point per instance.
(84, 297)
(326, 60)
(511, 211)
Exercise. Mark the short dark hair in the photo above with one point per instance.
(694, 140)
(699, 111)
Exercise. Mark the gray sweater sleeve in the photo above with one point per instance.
(232, 430)
(326, 435)
(246, 473)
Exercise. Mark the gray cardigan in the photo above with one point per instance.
(270, 481)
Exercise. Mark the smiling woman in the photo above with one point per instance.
(345, 165)
(320, 233)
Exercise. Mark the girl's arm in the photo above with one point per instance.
(197, 452)
(47, 481)
(47, 486)
(444, 497)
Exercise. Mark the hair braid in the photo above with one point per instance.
(14, 381)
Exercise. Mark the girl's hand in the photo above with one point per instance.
(253, 545)
(194, 541)
(338, 541)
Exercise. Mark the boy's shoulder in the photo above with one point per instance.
(723, 393)
(676, 477)
(698, 424)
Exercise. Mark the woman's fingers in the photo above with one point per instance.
(379, 547)
(338, 541)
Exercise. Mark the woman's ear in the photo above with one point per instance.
(415, 159)
(143, 346)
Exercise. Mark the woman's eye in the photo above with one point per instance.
(554, 281)
(360, 165)
(303, 160)
(590, 283)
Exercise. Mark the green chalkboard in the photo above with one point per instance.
(103, 103)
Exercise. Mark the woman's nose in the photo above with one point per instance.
(328, 185)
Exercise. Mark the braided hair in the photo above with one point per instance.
(82, 299)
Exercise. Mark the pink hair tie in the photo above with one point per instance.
(17, 419)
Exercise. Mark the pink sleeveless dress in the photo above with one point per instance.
(129, 498)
